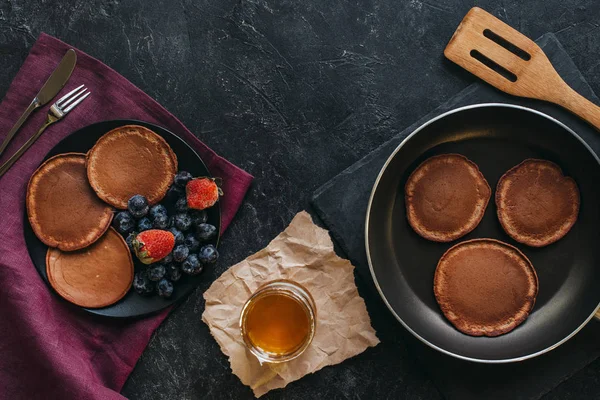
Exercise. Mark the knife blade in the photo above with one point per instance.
(53, 85)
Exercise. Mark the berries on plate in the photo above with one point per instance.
(182, 178)
(167, 260)
(170, 237)
(164, 288)
(141, 283)
(175, 192)
(198, 217)
(192, 265)
(191, 242)
(202, 193)
(138, 206)
(179, 236)
(129, 240)
(158, 209)
(153, 245)
(173, 272)
(183, 222)
(208, 254)
(144, 224)
(156, 272)
(123, 222)
(161, 221)
(206, 232)
(180, 253)
(181, 205)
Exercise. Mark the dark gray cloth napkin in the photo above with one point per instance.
(458, 379)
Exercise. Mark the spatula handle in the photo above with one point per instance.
(565, 96)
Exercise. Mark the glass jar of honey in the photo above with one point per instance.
(278, 321)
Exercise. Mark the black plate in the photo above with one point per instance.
(132, 305)
(496, 137)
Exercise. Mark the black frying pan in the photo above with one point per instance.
(496, 137)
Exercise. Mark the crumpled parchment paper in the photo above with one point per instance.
(303, 253)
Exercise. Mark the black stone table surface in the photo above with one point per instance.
(294, 92)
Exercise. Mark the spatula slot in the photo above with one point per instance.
(494, 66)
(517, 51)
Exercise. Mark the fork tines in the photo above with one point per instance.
(72, 99)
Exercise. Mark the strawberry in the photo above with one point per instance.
(203, 192)
(153, 245)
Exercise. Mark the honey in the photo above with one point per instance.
(278, 321)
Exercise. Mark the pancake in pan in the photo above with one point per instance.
(485, 287)
(62, 208)
(446, 197)
(131, 160)
(94, 277)
(537, 205)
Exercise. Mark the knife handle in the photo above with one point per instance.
(6, 166)
(34, 104)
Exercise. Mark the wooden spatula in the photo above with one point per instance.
(513, 63)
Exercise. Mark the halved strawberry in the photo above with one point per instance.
(203, 192)
(153, 245)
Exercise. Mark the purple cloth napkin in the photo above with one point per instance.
(48, 348)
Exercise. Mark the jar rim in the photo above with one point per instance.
(300, 294)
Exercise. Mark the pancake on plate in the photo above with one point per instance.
(446, 197)
(131, 160)
(537, 205)
(94, 277)
(62, 208)
(485, 287)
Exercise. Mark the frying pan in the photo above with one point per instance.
(496, 137)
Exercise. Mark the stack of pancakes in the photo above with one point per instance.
(485, 287)
(70, 200)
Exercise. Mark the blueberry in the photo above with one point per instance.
(206, 232)
(192, 243)
(182, 178)
(144, 224)
(179, 237)
(180, 253)
(164, 288)
(183, 222)
(142, 284)
(138, 206)
(156, 272)
(161, 221)
(174, 193)
(192, 265)
(167, 260)
(123, 222)
(158, 209)
(181, 205)
(173, 272)
(198, 217)
(208, 254)
(129, 240)
(171, 221)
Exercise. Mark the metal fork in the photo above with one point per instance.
(57, 112)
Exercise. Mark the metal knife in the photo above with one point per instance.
(57, 80)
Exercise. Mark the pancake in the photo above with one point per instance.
(62, 208)
(446, 197)
(485, 287)
(537, 205)
(94, 277)
(131, 160)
